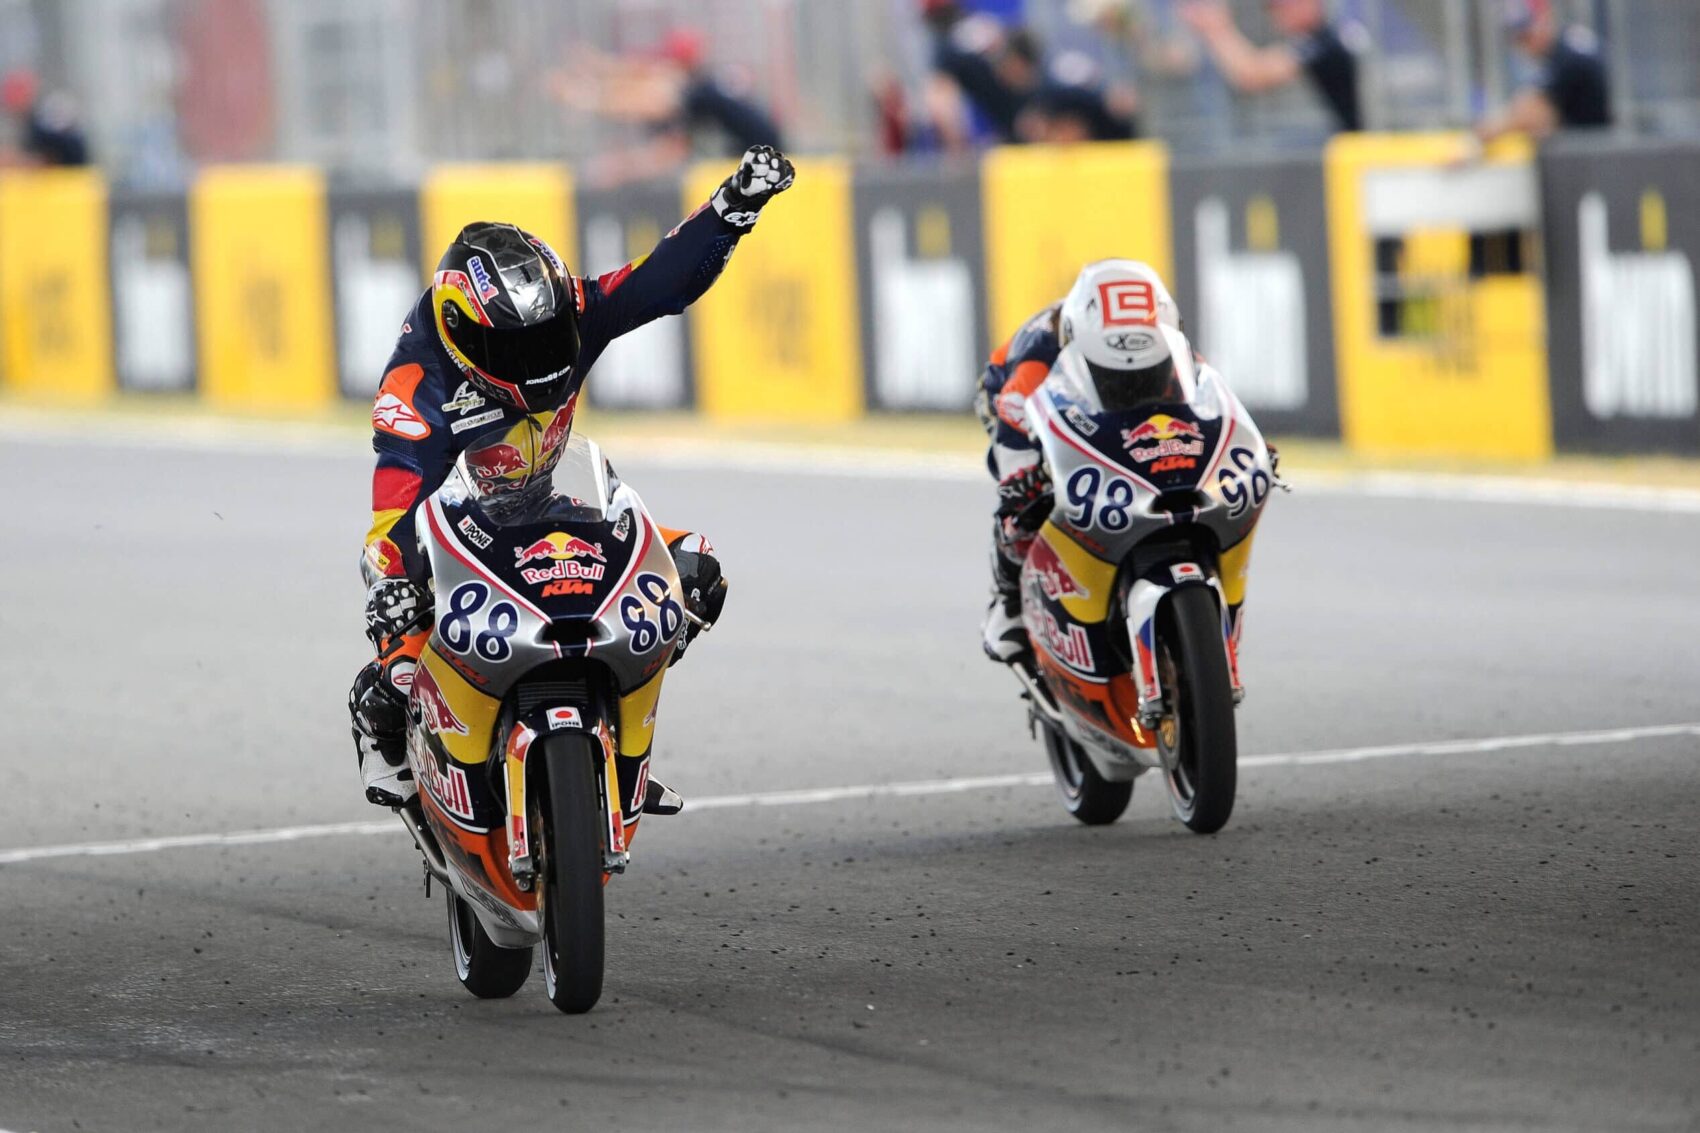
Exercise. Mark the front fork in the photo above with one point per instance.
(521, 737)
(1144, 598)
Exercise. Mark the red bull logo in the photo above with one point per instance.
(1163, 436)
(433, 706)
(447, 786)
(562, 552)
(499, 461)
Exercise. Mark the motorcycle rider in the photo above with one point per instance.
(503, 333)
(1015, 371)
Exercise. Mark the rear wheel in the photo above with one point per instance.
(1196, 737)
(485, 968)
(568, 820)
(1088, 796)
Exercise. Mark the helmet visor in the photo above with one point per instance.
(1124, 390)
(535, 360)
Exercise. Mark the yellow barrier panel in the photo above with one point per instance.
(776, 336)
(55, 303)
(259, 254)
(1048, 210)
(538, 198)
(1431, 360)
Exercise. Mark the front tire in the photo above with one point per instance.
(570, 835)
(1197, 740)
(1089, 796)
(485, 968)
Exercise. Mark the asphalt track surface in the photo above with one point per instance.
(1468, 938)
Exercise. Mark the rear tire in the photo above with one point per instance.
(485, 968)
(571, 842)
(1197, 738)
(1089, 796)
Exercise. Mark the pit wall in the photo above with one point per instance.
(1380, 293)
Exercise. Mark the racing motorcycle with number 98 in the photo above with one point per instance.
(1131, 587)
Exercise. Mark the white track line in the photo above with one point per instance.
(879, 790)
(263, 438)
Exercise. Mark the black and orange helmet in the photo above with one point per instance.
(507, 313)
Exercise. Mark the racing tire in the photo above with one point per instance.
(485, 968)
(1089, 796)
(1196, 737)
(571, 844)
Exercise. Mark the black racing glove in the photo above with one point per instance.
(1025, 498)
(764, 173)
(395, 607)
(702, 584)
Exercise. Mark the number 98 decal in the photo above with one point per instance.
(1245, 485)
(646, 633)
(1112, 514)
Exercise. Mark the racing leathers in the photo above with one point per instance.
(1013, 373)
(426, 412)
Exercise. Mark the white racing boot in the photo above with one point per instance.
(1005, 636)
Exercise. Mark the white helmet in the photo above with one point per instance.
(1115, 316)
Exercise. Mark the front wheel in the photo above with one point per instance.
(1196, 736)
(569, 823)
(485, 968)
(1089, 796)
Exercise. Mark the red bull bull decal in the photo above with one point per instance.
(1163, 436)
(1053, 577)
(496, 462)
(560, 425)
(562, 552)
(433, 705)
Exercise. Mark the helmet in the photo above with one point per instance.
(1120, 317)
(507, 313)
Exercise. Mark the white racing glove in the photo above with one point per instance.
(764, 173)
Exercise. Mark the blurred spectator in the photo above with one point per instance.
(50, 132)
(1127, 25)
(982, 75)
(687, 108)
(1074, 104)
(1315, 48)
(1572, 89)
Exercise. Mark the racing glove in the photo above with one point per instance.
(1025, 499)
(763, 174)
(703, 585)
(395, 607)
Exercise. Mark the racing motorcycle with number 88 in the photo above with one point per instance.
(558, 613)
(1131, 588)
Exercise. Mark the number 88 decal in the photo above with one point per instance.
(456, 627)
(645, 633)
(1238, 495)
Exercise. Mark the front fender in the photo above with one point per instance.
(1145, 596)
(520, 750)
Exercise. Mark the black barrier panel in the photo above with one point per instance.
(1622, 237)
(1252, 281)
(921, 268)
(153, 298)
(375, 280)
(649, 368)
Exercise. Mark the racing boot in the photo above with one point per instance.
(660, 800)
(1005, 635)
(380, 729)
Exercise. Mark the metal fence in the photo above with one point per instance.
(379, 89)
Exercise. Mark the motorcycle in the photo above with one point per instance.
(1124, 591)
(558, 612)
